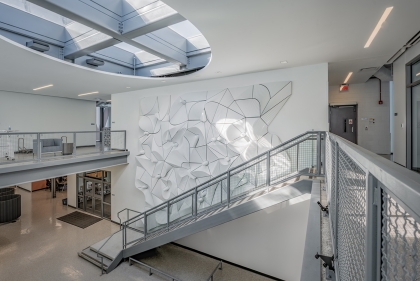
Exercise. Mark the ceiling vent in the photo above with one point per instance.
(95, 62)
(38, 45)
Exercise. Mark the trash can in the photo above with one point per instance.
(64, 201)
(67, 148)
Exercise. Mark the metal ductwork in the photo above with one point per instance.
(38, 45)
(95, 62)
(413, 41)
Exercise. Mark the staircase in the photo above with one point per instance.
(240, 191)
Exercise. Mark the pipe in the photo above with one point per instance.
(380, 90)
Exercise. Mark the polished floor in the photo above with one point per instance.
(40, 247)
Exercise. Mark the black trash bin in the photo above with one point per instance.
(64, 201)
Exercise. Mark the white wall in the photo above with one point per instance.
(36, 113)
(400, 133)
(271, 241)
(306, 109)
(377, 137)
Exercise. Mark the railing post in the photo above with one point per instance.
(125, 140)
(168, 215)
(268, 171)
(145, 226)
(318, 153)
(38, 143)
(74, 144)
(297, 157)
(122, 234)
(373, 229)
(125, 235)
(336, 186)
(228, 188)
(195, 206)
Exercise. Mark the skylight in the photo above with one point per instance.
(128, 47)
(186, 29)
(37, 11)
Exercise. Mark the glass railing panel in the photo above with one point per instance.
(157, 220)
(115, 141)
(89, 143)
(134, 230)
(249, 178)
(182, 208)
(17, 148)
(283, 164)
(210, 196)
(52, 145)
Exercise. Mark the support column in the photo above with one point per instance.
(53, 191)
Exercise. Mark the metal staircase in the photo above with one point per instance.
(240, 191)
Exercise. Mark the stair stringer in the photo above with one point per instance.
(283, 194)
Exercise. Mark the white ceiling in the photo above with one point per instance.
(245, 36)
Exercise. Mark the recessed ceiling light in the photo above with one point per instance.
(418, 74)
(348, 77)
(43, 87)
(378, 26)
(163, 81)
(91, 93)
(128, 87)
(285, 61)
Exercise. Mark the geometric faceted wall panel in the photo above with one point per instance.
(184, 141)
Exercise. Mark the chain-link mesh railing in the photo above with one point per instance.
(374, 235)
(351, 234)
(400, 242)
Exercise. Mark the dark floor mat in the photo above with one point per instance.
(79, 219)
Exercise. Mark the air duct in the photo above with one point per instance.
(95, 62)
(38, 45)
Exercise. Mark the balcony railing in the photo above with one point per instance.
(374, 213)
(41, 146)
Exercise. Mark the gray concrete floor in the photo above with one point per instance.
(40, 247)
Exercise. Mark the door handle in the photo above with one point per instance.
(352, 129)
(345, 125)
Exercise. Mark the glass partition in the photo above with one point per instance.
(94, 192)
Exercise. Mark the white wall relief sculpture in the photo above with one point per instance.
(186, 140)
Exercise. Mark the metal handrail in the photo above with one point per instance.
(398, 180)
(127, 210)
(219, 266)
(100, 255)
(234, 168)
(219, 178)
(131, 260)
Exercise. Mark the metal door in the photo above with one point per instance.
(343, 121)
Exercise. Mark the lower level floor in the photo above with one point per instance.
(40, 247)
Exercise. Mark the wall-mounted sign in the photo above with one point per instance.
(350, 121)
(344, 87)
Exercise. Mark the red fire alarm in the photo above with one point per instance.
(344, 87)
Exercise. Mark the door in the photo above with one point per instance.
(343, 121)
